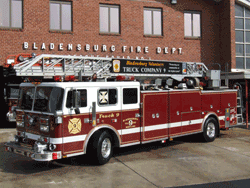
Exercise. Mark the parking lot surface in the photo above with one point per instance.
(184, 161)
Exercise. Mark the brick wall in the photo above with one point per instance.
(86, 31)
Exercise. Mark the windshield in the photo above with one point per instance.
(26, 98)
(48, 99)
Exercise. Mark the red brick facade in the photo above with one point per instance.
(215, 46)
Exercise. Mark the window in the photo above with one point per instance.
(60, 16)
(192, 24)
(26, 98)
(109, 19)
(11, 13)
(152, 21)
(71, 98)
(242, 37)
(130, 96)
(107, 96)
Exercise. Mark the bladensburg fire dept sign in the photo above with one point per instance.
(148, 67)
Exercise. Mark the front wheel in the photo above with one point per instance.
(103, 148)
(210, 130)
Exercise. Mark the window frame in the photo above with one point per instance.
(152, 10)
(60, 16)
(245, 56)
(10, 17)
(107, 105)
(109, 19)
(192, 24)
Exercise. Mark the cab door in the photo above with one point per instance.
(130, 132)
(75, 124)
(108, 108)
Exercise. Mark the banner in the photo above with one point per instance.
(147, 67)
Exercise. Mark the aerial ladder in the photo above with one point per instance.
(47, 66)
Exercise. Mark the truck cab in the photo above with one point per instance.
(57, 120)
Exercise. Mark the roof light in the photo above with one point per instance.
(70, 78)
(125, 78)
(58, 78)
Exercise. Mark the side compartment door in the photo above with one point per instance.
(75, 125)
(175, 111)
(155, 115)
(228, 108)
(131, 129)
(191, 112)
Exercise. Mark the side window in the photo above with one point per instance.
(71, 98)
(107, 96)
(130, 96)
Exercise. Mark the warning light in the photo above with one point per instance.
(54, 156)
(227, 118)
(125, 78)
(70, 78)
(58, 78)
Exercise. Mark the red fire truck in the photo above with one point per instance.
(96, 104)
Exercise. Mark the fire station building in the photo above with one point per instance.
(214, 32)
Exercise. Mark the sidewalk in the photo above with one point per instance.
(7, 134)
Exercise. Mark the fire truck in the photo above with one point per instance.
(90, 105)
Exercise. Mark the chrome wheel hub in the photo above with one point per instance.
(211, 130)
(106, 148)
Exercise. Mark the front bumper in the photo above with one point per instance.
(30, 152)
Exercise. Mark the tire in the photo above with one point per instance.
(210, 130)
(102, 148)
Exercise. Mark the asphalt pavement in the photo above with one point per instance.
(184, 162)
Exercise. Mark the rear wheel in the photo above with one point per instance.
(210, 130)
(102, 147)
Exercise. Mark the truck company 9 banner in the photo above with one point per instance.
(147, 67)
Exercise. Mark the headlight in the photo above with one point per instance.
(22, 134)
(44, 128)
(51, 147)
(31, 120)
(16, 139)
(20, 124)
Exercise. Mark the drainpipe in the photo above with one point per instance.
(246, 103)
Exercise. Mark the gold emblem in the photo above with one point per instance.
(130, 122)
(116, 66)
(75, 125)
